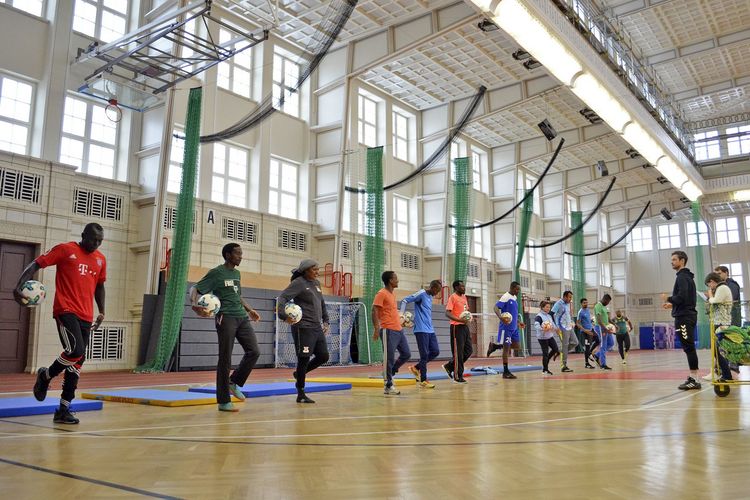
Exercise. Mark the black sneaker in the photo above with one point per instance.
(491, 348)
(566, 369)
(546, 372)
(689, 384)
(41, 385)
(461, 381)
(63, 416)
(605, 367)
(590, 367)
(508, 375)
(447, 370)
(302, 398)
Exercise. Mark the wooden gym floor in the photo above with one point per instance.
(624, 434)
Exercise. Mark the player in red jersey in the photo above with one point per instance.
(81, 272)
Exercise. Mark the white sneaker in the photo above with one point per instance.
(707, 376)
(391, 391)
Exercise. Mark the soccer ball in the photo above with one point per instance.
(407, 320)
(611, 328)
(209, 303)
(33, 293)
(465, 316)
(293, 312)
(506, 317)
(547, 325)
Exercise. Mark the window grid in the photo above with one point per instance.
(34, 7)
(696, 235)
(572, 205)
(285, 77)
(282, 196)
(735, 272)
(727, 230)
(400, 219)
(401, 134)
(478, 247)
(669, 236)
(235, 74)
(89, 138)
(105, 20)
(605, 274)
(641, 239)
(16, 99)
(747, 228)
(706, 149)
(477, 167)
(603, 228)
(530, 180)
(458, 150)
(229, 180)
(740, 144)
(368, 121)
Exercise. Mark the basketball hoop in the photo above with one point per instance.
(113, 111)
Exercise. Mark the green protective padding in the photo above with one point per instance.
(462, 189)
(579, 260)
(182, 238)
(374, 264)
(523, 235)
(704, 332)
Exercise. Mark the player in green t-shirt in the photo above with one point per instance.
(624, 327)
(601, 315)
(232, 321)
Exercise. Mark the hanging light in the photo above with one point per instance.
(671, 171)
(599, 99)
(641, 140)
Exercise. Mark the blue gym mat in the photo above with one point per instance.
(441, 375)
(20, 407)
(278, 388)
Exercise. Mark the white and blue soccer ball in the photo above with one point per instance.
(210, 303)
(407, 319)
(293, 312)
(547, 325)
(506, 317)
(611, 328)
(465, 316)
(33, 293)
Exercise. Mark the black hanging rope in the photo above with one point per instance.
(528, 193)
(637, 220)
(583, 223)
(438, 154)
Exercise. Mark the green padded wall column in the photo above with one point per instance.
(579, 260)
(699, 269)
(180, 261)
(523, 235)
(462, 188)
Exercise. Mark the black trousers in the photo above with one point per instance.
(74, 336)
(227, 329)
(309, 342)
(623, 344)
(684, 327)
(461, 350)
(590, 342)
(549, 346)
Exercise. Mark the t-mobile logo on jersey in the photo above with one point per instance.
(83, 269)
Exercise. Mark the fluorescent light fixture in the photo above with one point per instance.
(516, 20)
(742, 195)
(671, 171)
(641, 140)
(692, 191)
(599, 99)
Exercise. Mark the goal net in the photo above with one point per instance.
(341, 317)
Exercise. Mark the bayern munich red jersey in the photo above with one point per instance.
(78, 274)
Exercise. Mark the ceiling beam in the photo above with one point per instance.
(741, 37)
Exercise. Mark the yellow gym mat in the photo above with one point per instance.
(155, 397)
(358, 381)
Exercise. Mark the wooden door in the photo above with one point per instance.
(14, 319)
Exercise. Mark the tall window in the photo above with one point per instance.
(89, 138)
(229, 182)
(234, 74)
(567, 266)
(176, 156)
(400, 219)
(747, 227)
(696, 235)
(603, 229)
(458, 150)
(15, 114)
(530, 181)
(282, 195)
(727, 230)
(572, 205)
(34, 7)
(533, 259)
(735, 272)
(740, 143)
(105, 20)
(285, 76)
(478, 167)
(707, 148)
(367, 121)
(476, 236)
(641, 239)
(361, 211)
(669, 236)
(605, 276)
(401, 134)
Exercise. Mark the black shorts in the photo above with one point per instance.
(308, 341)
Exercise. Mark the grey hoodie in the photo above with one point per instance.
(306, 294)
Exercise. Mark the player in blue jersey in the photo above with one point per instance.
(586, 326)
(508, 335)
(424, 332)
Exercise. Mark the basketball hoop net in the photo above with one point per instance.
(113, 111)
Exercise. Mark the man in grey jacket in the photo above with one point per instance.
(309, 333)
